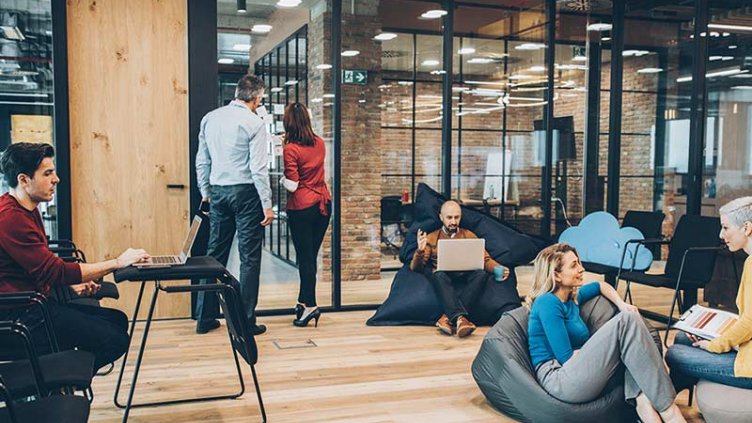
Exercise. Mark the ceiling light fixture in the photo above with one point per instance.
(742, 87)
(385, 36)
(733, 46)
(579, 58)
(241, 6)
(480, 60)
(731, 27)
(350, 53)
(433, 14)
(537, 68)
(636, 53)
(288, 3)
(261, 28)
(324, 66)
(241, 47)
(226, 61)
(530, 46)
(430, 62)
(727, 72)
(649, 70)
(599, 27)
(466, 50)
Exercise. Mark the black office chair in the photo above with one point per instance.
(649, 224)
(39, 374)
(240, 334)
(392, 214)
(691, 258)
(54, 409)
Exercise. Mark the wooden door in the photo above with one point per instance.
(128, 78)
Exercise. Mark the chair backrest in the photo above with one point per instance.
(694, 231)
(237, 322)
(649, 223)
(391, 209)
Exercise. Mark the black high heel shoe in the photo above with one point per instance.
(304, 319)
(299, 309)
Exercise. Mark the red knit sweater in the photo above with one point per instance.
(26, 262)
(305, 165)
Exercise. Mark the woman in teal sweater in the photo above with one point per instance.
(574, 366)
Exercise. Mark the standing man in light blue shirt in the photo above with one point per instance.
(233, 175)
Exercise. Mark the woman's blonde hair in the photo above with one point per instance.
(548, 261)
(738, 211)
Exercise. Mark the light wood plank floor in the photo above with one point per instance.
(355, 373)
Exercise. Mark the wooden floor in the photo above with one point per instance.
(354, 373)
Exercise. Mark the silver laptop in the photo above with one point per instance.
(459, 255)
(169, 261)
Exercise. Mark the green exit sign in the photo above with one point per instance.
(357, 77)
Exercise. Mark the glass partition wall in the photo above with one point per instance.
(393, 85)
(26, 83)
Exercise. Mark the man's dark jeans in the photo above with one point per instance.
(98, 330)
(458, 291)
(235, 207)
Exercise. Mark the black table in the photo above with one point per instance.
(194, 268)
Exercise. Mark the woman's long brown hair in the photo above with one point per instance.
(297, 123)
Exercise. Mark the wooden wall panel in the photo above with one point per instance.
(128, 78)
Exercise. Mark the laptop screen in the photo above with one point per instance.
(188, 244)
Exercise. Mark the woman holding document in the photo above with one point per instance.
(692, 358)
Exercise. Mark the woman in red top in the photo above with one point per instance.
(308, 204)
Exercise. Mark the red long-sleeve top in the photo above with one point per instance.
(26, 262)
(305, 165)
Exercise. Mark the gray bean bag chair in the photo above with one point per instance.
(724, 404)
(505, 375)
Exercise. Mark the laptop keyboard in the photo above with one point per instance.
(164, 260)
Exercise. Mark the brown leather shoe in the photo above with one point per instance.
(445, 325)
(464, 327)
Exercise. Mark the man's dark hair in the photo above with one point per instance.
(249, 87)
(23, 157)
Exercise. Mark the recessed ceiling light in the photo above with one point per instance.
(579, 58)
(714, 34)
(726, 58)
(649, 70)
(599, 27)
(714, 58)
(730, 27)
(385, 36)
(324, 66)
(328, 96)
(226, 61)
(606, 39)
(276, 89)
(726, 34)
(291, 82)
(288, 3)
(636, 53)
(466, 50)
(430, 62)
(480, 60)
(241, 47)
(733, 46)
(433, 14)
(261, 28)
(350, 53)
(742, 87)
(537, 68)
(530, 46)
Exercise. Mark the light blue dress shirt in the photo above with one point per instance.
(232, 150)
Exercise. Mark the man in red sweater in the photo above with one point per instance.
(27, 264)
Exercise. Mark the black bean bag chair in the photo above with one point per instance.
(412, 301)
(504, 373)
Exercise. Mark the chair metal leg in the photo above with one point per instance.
(109, 370)
(258, 394)
(670, 315)
(691, 395)
(130, 339)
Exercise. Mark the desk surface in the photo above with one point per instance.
(203, 267)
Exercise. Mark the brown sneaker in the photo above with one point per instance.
(445, 325)
(464, 327)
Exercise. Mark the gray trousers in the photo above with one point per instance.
(624, 340)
